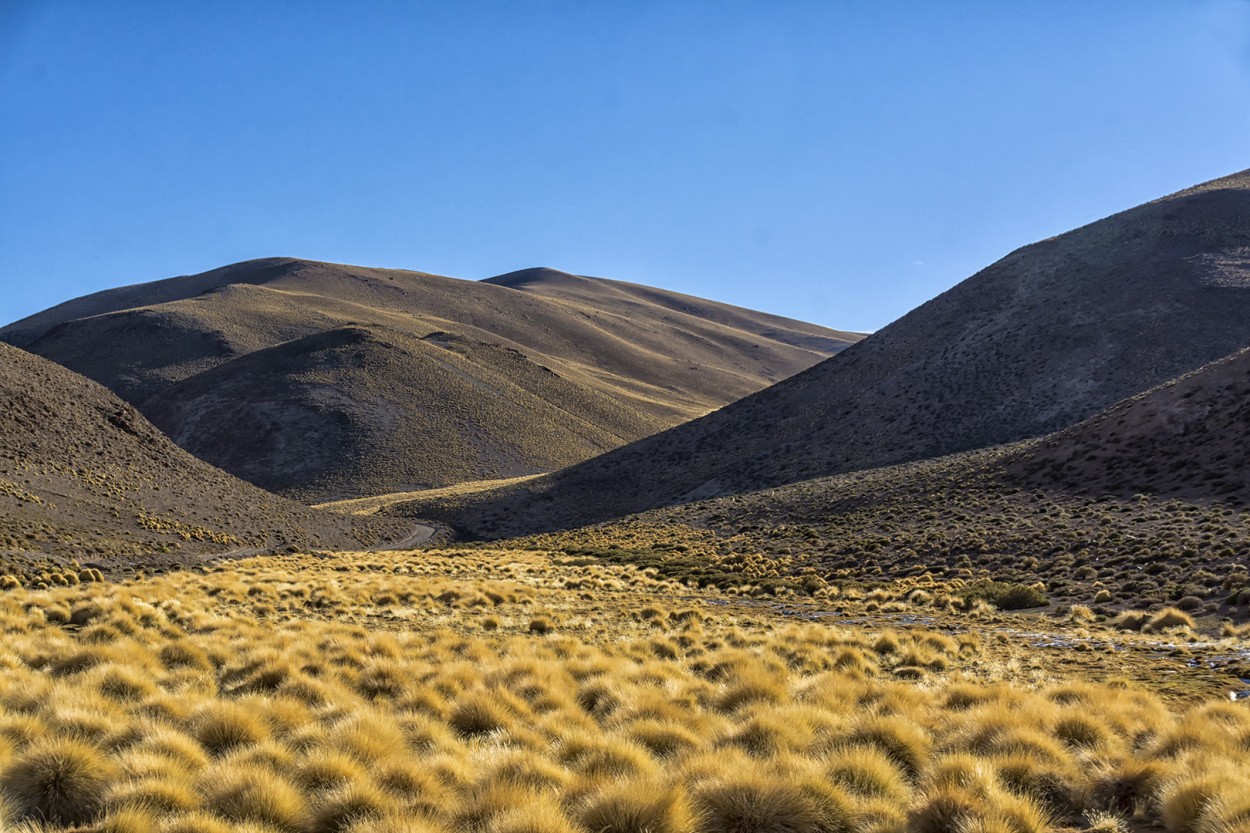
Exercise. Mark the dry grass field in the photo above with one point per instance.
(525, 691)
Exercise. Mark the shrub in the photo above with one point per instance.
(634, 806)
(1005, 596)
(1168, 618)
(62, 781)
(254, 793)
(761, 804)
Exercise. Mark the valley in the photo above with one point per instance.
(299, 547)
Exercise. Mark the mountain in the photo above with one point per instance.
(1048, 336)
(84, 475)
(1143, 505)
(417, 380)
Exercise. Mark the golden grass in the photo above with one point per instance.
(361, 694)
(375, 504)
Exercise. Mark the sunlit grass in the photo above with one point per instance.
(367, 694)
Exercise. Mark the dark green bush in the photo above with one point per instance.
(1006, 595)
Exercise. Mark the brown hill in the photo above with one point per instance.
(374, 411)
(604, 363)
(1188, 439)
(1044, 338)
(1146, 504)
(84, 476)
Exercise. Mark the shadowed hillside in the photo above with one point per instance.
(369, 410)
(622, 361)
(83, 475)
(1188, 439)
(1146, 504)
(1045, 337)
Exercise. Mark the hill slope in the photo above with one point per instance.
(604, 363)
(83, 475)
(368, 410)
(1189, 439)
(1147, 502)
(1038, 341)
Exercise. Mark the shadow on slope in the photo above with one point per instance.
(1044, 338)
(84, 476)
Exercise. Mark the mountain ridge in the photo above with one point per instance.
(660, 357)
(1045, 337)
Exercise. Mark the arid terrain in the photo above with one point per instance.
(323, 382)
(1051, 334)
(985, 571)
(85, 479)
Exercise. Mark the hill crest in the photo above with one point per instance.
(637, 359)
(1045, 337)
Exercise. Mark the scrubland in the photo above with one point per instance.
(525, 692)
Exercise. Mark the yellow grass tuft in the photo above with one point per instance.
(868, 773)
(59, 780)
(758, 803)
(255, 794)
(634, 806)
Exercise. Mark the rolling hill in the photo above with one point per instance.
(1044, 338)
(416, 380)
(1186, 439)
(83, 475)
(1143, 505)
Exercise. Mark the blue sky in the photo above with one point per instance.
(839, 162)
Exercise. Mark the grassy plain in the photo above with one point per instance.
(525, 691)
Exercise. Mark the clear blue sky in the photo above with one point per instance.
(839, 162)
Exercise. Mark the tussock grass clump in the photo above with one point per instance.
(339, 810)
(481, 713)
(59, 780)
(632, 806)
(907, 745)
(223, 726)
(663, 738)
(771, 805)
(868, 772)
(1168, 619)
(255, 794)
(165, 796)
(199, 822)
(1131, 620)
